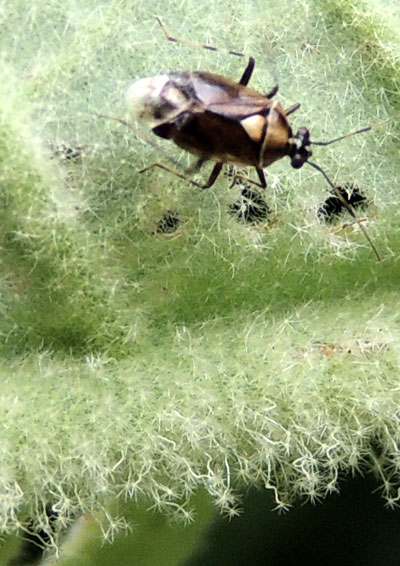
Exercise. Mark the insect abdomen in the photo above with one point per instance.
(213, 137)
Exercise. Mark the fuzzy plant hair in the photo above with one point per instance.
(158, 340)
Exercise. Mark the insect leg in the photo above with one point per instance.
(213, 175)
(211, 180)
(197, 165)
(244, 80)
(292, 109)
(261, 176)
(272, 92)
(262, 184)
(172, 171)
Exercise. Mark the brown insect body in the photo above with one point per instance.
(224, 121)
(219, 119)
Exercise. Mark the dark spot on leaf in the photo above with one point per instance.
(333, 206)
(169, 223)
(250, 207)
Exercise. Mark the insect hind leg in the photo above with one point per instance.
(211, 180)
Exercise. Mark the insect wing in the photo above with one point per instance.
(222, 96)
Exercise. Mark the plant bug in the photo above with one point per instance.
(220, 120)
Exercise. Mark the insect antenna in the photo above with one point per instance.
(366, 129)
(346, 204)
(246, 76)
(356, 132)
(194, 44)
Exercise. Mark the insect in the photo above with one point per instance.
(220, 120)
